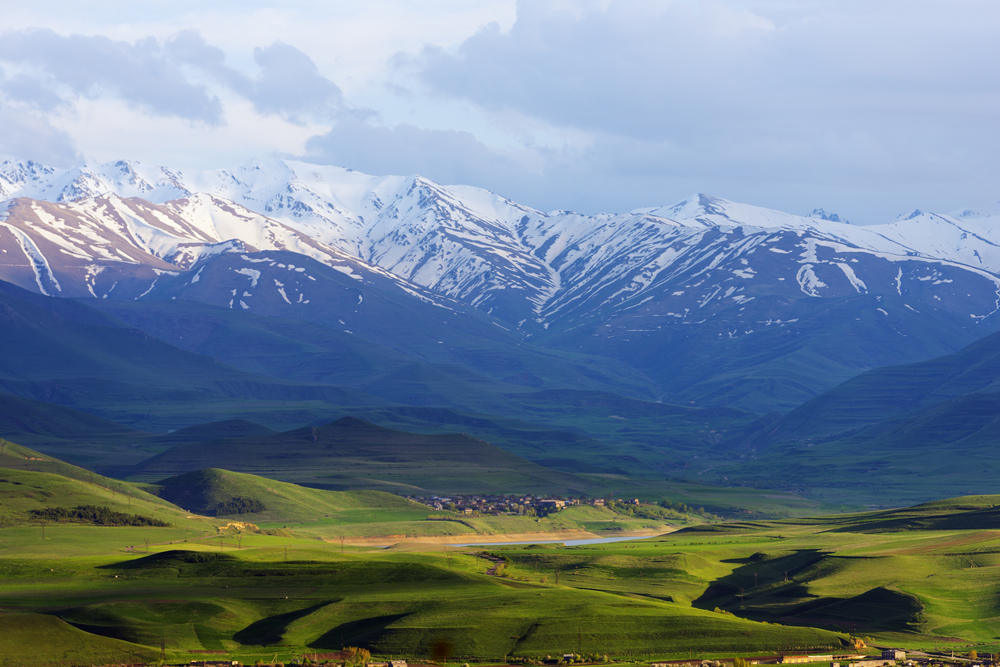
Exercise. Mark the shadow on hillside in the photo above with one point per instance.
(361, 633)
(271, 630)
(776, 589)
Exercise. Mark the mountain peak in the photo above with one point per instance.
(988, 211)
(915, 213)
(820, 214)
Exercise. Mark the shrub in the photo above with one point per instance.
(101, 516)
(238, 506)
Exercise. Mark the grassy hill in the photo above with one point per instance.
(350, 451)
(27, 640)
(122, 373)
(17, 457)
(771, 368)
(920, 577)
(26, 419)
(213, 492)
(886, 392)
(891, 436)
(254, 604)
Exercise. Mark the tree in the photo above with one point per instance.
(356, 657)
(973, 655)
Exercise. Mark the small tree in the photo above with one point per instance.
(356, 657)
(973, 655)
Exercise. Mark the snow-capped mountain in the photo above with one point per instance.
(704, 267)
(517, 263)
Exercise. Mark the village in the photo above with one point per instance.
(890, 657)
(526, 505)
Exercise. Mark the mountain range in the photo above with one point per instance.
(709, 301)
(706, 338)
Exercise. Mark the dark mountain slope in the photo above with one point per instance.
(354, 453)
(883, 393)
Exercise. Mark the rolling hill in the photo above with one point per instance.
(350, 451)
(216, 492)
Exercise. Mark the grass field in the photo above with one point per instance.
(922, 577)
(286, 577)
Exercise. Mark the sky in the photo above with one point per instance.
(866, 109)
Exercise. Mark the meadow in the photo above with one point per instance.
(227, 564)
(923, 577)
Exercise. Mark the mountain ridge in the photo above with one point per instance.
(703, 274)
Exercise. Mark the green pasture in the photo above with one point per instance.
(251, 602)
(920, 577)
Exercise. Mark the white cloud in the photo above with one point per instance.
(864, 108)
(859, 98)
(28, 133)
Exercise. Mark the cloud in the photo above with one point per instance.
(624, 68)
(289, 83)
(163, 78)
(140, 74)
(445, 156)
(867, 100)
(28, 135)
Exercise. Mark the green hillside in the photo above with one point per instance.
(228, 428)
(27, 640)
(883, 393)
(253, 604)
(25, 419)
(18, 457)
(123, 373)
(895, 435)
(217, 492)
(923, 577)
(770, 368)
(350, 451)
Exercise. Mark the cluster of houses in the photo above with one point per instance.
(888, 657)
(508, 504)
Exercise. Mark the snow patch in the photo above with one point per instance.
(346, 270)
(281, 291)
(809, 282)
(253, 274)
(39, 264)
(857, 283)
(149, 290)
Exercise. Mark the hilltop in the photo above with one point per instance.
(350, 450)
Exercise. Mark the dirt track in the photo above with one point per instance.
(499, 538)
